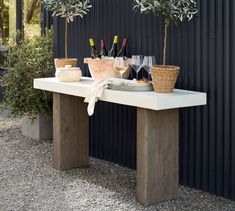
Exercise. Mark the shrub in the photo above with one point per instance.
(24, 62)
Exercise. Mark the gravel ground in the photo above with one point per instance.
(28, 181)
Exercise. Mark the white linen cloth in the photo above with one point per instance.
(97, 90)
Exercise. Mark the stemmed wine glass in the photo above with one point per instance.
(136, 63)
(148, 62)
(121, 65)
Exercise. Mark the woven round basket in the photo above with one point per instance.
(60, 63)
(164, 78)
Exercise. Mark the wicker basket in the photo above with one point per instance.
(164, 78)
(61, 63)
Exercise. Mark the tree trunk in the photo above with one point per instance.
(66, 39)
(166, 25)
(30, 11)
(1, 18)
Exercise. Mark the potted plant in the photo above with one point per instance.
(165, 76)
(24, 62)
(67, 9)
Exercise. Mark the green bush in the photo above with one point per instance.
(24, 62)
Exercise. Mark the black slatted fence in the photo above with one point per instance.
(205, 50)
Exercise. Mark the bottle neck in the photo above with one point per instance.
(102, 44)
(125, 41)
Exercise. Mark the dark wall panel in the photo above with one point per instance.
(19, 18)
(19, 14)
(46, 20)
(204, 49)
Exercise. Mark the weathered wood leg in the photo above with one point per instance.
(157, 155)
(70, 131)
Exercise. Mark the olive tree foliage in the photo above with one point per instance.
(171, 10)
(68, 9)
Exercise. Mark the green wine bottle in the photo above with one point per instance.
(94, 52)
(114, 50)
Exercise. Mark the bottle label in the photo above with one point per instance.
(115, 40)
(92, 43)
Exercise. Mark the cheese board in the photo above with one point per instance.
(132, 87)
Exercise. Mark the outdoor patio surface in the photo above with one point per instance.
(28, 181)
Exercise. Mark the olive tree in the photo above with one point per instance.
(68, 9)
(171, 10)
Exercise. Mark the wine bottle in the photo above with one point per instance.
(103, 51)
(94, 52)
(114, 50)
(122, 52)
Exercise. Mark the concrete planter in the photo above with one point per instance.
(2, 71)
(1, 94)
(39, 129)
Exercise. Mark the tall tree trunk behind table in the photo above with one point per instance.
(66, 39)
(1, 18)
(34, 4)
(166, 25)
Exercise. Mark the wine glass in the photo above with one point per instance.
(136, 63)
(121, 65)
(148, 62)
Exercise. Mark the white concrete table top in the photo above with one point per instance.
(149, 100)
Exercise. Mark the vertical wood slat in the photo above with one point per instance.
(204, 49)
(19, 18)
(219, 98)
(232, 62)
(227, 100)
(210, 87)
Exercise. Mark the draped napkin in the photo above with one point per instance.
(97, 89)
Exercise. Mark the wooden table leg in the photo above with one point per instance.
(157, 155)
(70, 131)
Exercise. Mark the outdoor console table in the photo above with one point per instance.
(157, 132)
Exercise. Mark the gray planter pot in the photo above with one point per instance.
(2, 71)
(39, 129)
(3, 51)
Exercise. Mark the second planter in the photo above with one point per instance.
(62, 62)
(164, 78)
(39, 129)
